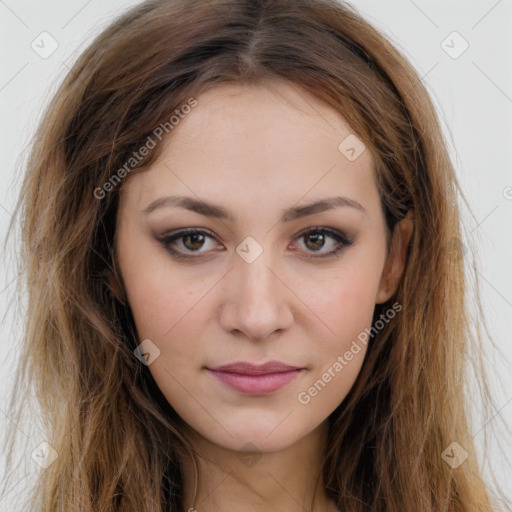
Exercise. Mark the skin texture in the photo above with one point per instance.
(256, 150)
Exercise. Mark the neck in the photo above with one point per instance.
(288, 480)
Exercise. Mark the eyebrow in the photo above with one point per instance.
(287, 215)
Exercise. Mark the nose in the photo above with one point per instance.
(257, 300)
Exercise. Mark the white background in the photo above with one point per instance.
(473, 94)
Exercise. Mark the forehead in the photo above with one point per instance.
(254, 140)
(271, 113)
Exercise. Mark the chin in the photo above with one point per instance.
(269, 434)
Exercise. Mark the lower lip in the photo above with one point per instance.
(256, 384)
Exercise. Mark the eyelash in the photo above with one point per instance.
(167, 241)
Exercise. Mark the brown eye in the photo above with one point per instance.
(317, 240)
(193, 241)
(185, 243)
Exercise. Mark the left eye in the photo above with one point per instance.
(192, 240)
(316, 239)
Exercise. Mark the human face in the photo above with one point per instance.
(251, 287)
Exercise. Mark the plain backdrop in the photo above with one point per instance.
(463, 52)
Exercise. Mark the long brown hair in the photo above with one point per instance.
(118, 442)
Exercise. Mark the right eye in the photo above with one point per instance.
(187, 240)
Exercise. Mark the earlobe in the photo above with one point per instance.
(397, 257)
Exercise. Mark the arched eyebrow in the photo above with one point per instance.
(212, 210)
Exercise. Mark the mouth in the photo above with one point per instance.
(251, 379)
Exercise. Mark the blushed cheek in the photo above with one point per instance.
(151, 285)
(159, 311)
(347, 304)
(347, 310)
(174, 314)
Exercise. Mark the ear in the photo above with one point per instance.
(396, 259)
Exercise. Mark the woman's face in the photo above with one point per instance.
(266, 287)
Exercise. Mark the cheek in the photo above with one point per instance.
(345, 299)
(157, 293)
(346, 303)
(173, 309)
(165, 308)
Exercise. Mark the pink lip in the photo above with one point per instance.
(256, 379)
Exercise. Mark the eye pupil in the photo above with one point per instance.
(318, 240)
(194, 237)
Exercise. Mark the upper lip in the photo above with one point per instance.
(255, 369)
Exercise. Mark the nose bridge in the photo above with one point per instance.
(256, 280)
(256, 303)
